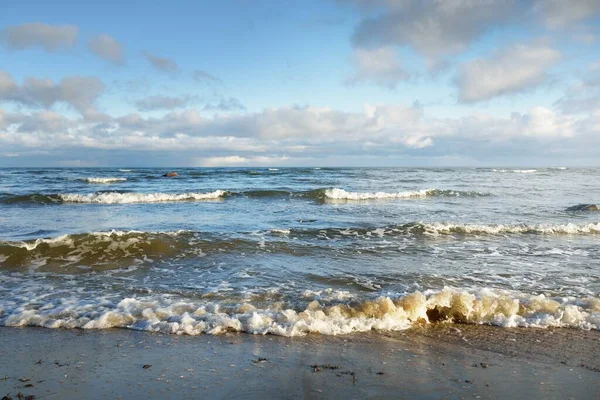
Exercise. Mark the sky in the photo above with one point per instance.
(300, 83)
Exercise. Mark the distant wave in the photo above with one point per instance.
(518, 171)
(324, 194)
(125, 170)
(340, 194)
(103, 180)
(126, 198)
(448, 228)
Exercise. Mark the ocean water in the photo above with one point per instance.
(292, 251)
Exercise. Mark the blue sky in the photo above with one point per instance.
(331, 82)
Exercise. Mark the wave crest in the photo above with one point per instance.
(103, 180)
(127, 198)
(486, 306)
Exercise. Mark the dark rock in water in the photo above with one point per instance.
(171, 174)
(583, 207)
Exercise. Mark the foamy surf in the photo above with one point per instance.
(103, 180)
(341, 194)
(168, 315)
(127, 198)
(517, 171)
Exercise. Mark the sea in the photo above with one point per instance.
(297, 251)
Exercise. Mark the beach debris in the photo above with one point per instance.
(351, 373)
(259, 360)
(146, 366)
(21, 396)
(58, 364)
(380, 373)
(23, 379)
(28, 385)
(171, 174)
(318, 368)
(39, 361)
(7, 397)
(483, 365)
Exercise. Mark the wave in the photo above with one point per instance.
(126, 198)
(110, 197)
(180, 316)
(108, 249)
(422, 229)
(103, 180)
(340, 194)
(100, 251)
(518, 171)
(323, 194)
(125, 170)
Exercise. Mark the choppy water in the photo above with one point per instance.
(296, 250)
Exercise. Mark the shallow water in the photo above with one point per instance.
(296, 250)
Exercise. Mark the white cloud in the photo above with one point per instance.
(49, 37)
(584, 95)
(78, 91)
(162, 64)
(508, 71)
(434, 29)
(562, 13)
(379, 66)
(107, 48)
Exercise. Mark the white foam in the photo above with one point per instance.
(341, 194)
(566, 229)
(518, 171)
(273, 169)
(126, 198)
(125, 170)
(103, 180)
(164, 314)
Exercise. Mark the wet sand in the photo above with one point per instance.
(443, 361)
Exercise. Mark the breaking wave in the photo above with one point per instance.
(113, 248)
(103, 180)
(340, 194)
(323, 194)
(517, 171)
(126, 198)
(179, 316)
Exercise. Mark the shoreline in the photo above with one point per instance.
(429, 361)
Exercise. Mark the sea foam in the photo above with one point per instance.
(125, 198)
(167, 315)
(103, 180)
(341, 194)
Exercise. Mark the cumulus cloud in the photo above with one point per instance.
(432, 28)
(584, 95)
(438, 29)
(78, 91)
(107, 48)
(560, 13)
(302, 135)
(51, 38)
(162, 64)
(379, 66)
(163, 102)
(508, 71)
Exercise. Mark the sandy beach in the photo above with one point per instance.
(458, 361)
